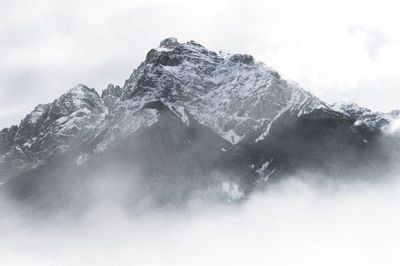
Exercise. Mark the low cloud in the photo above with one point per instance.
(293, 222)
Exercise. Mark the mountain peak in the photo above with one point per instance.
(81, 90)
(111, 90)
(365, 115)
(234, 95)
(169, 42)
(79, 87)
(189, 100)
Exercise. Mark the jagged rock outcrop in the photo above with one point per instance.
(51, 129)
(365, 115)
(233, 95)
(187, 112)
(111, 94)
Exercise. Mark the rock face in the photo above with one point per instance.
(187, 118)
(111, 94)
(233, 95)
(51, 129)
(365, 115)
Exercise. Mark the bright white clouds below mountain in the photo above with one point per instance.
(339, 50)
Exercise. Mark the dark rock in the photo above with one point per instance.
(242, 58)
(169, 42)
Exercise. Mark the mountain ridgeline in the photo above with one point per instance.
(188, 121)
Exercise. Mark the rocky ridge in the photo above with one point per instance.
(260, 124)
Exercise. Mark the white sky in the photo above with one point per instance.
(339, 50)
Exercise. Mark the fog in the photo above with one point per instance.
(292, 222)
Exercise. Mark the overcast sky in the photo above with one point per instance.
(339, 50)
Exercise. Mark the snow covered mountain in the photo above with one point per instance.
(50, 129)
(187, 111)
(386, 121)
(232, 94)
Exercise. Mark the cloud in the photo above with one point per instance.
(49, 46)
(375, 39)
(292, 223)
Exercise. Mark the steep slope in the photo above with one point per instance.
(322, 143)
(50, 130)
(186, 120)
(368, 117)
(235, 96)
(165, 163)
(232, 94)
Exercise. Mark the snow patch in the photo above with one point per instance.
(263, 168)
(358, 123)
(163, 49)
(232, 190)
(266, 178)
(179, 111)
(232, 137)
(82, 158)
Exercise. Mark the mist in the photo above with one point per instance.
(292, 222)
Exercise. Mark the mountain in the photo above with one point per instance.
(366, 116)
(50, 130)
(188, 120)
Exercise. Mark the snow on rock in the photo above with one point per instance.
(110, 95)
(358, 123)
(52, 129)
(82, 158)
(366, 116)
(266, 178)
(232, 191)
(263, 171)
(123, 123)
(263, 167)
(232, 94)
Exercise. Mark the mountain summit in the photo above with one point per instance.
(188, 119)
